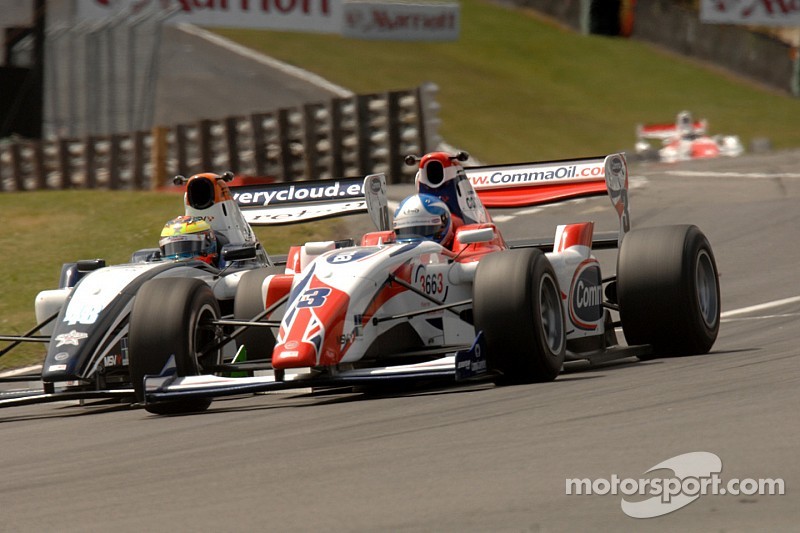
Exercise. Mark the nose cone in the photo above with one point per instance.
(311, 330)
(294, 354)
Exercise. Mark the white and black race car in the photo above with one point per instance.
(86, 321)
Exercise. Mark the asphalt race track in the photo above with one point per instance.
(202, 76)
(478, 458)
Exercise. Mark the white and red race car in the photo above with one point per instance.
(394, 309)
(684, 140)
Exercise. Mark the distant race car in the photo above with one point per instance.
(684, 140)
(87, 324)
(435, 295)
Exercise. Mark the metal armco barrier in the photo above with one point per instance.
(352, 136)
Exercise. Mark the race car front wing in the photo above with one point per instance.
(443, 370)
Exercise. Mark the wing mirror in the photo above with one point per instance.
(238, 252)
(472, 236)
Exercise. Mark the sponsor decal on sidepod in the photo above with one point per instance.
(586, 298)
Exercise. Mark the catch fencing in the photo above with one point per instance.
(349, 136)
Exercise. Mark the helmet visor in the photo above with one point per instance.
(418, 232)
(182, 246)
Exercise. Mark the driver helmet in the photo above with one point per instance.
(685, 123)
(423, 216)
(188, 237)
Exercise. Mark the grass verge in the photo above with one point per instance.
(45, 229)
(516, 87)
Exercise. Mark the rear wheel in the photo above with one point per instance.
(668, 290)
(258, 341)
(170, 317)
(517, 305)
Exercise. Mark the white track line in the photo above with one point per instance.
(710, 174)
(304, 75)
(761, 317)
(636, 182)
(529, 211)
(760, 307)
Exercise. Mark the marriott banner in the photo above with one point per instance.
(401, 22)
(358, 19)
(752, 12)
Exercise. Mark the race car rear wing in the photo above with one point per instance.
(594, 176)
(525, 184)
(684, 124)
(299, 201)
(668, 131)
(497, 186)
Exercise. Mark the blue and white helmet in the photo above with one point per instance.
(423, 216)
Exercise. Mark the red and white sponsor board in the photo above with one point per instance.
(753, 12)
(360, 19)
(401, 21)
(318, 16)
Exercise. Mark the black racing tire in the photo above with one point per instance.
(668, 290)
(517, 305)
(169, 317)
(248, 302)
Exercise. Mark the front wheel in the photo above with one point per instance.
(171, 317)
(517, 305)
(668, 290)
